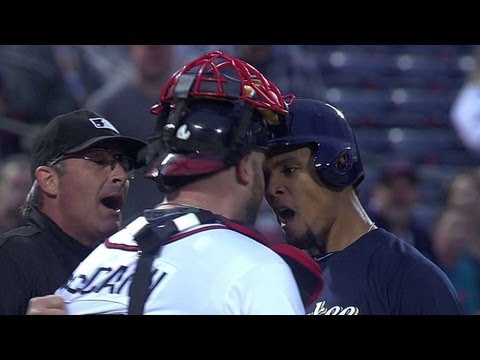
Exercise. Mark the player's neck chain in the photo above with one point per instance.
(372, 227)
(321, 257)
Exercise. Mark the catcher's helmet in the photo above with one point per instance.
(325, 129)
(211, 112)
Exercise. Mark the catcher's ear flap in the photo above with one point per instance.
(307, 272)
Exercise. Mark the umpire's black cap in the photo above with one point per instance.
(76, 131)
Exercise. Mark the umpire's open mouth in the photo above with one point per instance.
(113, 202)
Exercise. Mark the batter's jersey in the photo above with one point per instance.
(209, 269)
(380, 274)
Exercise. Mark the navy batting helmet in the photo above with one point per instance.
(211, 112)
(323, 127)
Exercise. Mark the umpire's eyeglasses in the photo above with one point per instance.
(102, 157)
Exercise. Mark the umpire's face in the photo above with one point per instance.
(87, 191)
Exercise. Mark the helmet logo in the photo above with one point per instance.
(183, 133)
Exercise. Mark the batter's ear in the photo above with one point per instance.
(47, 179)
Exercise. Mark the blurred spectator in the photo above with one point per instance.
(110, 60)
(453, 235)
(127, 100)
(9, 141)
(392, 206)
(293, 68)
(46, 80)
(259, 56)
(187, 53)
(464, 191)
(15, 182)
(465, 111)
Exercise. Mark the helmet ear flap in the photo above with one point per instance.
(343, 162)
(339, 173)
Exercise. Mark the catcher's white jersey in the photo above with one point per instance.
(209, 269)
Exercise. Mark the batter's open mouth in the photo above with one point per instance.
(285, 215)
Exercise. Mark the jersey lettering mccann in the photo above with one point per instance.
(105, 289)
(109, 281)
(185, 275)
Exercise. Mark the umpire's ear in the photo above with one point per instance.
(47, 179)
